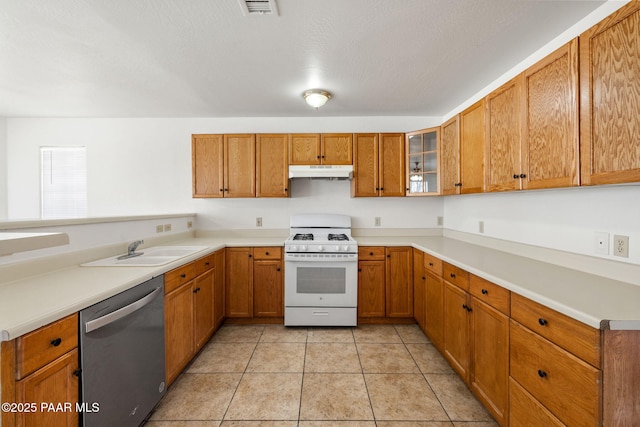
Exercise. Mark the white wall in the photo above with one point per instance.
(143, 166)
(3, 167)
(564, 219)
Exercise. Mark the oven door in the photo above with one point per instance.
(321, 283)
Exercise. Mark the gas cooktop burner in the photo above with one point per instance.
(340, 237)
(307, 236)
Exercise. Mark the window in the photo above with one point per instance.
(64, 182)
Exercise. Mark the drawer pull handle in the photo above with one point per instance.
(77, 372)
(56, 342)
(542, 373)
(542, 322)
(370, 253)
(183, 275)
(430, 264)
(278, 269)
(266, 253)
(206, 263)
(485, 292)
(424, 278)
(452, 275)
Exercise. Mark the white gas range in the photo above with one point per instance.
(321, 272)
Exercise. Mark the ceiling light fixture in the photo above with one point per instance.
(316, 97)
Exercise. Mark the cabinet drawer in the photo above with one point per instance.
(371, 253)
(272, 252)
(568, 333)
(564, 384)
(433, 264)
(456, 275)
(525, 411)
(490, 293)
(204, 264)
(44, 345)
(179, 276)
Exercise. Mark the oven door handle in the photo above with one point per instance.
(118, 314)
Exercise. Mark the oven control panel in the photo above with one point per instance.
(326, 248)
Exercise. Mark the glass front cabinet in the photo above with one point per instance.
(423, 162)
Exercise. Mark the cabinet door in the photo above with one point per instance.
(399, 278)
(239, 278)
(218, 289)
(240, 166)
(503, 116)
(434, 309)
(55, 383)
(203, 305)
(268, 289)
(490, 374)
(178, 330)
(610, 94)
(392, 164)
(457, 344)
(207, 162)
(337, 149)
(423, 162)
(272, 170)
(450, 158)
(419, 282)
(472, 148)
(550, 136)
(371, 289)
(304, 149)
(365, 165)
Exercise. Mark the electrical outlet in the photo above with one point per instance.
(621, 246)
(440, 220)
(189, 224)
(167, 227)
(480, 226)
(377, 221)
(159, 228)
(259, 221)
(601, 243)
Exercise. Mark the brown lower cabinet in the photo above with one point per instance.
(42, 366)
(255, 282)
(192, 311)
(385, 283)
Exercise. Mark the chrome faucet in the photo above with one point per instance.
(131, 250)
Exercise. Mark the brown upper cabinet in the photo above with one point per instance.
(450, 159)
(472, 149)
(503, 115)
(272, 170)
(321, 149)
(610, 99)
(224, 165)
(550, 141)
(378, 165)
(423, 161)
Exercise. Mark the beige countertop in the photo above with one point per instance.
(31, 302)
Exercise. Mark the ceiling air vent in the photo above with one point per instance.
(259, 7)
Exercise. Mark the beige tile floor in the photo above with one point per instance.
(269, 375)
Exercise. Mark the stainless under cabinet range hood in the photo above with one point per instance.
(321, 171)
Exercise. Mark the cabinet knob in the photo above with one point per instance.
(542, 322)
(377, 188)
(250, 255)
(457, 184)
(318, 157)
(370, 253)
(452, 275)
(278, 269)
(516, 176)
(430, 264)
(465, 306)
(266, 253)
(360, 270)
(381, 188)
(424, 278)
(542, 373)
(484, 292)
(523, 175)
(406, 189)
(56, 342)
(286, 189)
(206, 263)
(77, 372)
(183, 275)
(469, 309)
(226, 189)
(221, 189)
(323, 157)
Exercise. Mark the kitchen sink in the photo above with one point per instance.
(156, 255)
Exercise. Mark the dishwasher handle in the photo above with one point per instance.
(118, 314)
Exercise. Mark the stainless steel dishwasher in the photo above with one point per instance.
(122, 356)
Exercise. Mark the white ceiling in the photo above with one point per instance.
(204, 58)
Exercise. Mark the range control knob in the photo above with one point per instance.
(293, 248)
(338, 248)
(345, 248)
(303, 247)
(321, 248)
